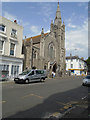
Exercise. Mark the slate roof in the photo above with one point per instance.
(35, 39)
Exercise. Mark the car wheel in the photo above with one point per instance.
(27, 81)
(42, 79)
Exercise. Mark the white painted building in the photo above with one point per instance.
(76, 65)
(11, 35)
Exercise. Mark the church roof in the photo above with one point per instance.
(35, 39)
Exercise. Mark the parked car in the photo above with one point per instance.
(4, 75)
(31, 76)
(86, 81)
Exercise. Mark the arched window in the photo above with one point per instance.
(51, 51)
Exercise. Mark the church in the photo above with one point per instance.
(47, 50)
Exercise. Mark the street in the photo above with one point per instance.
(43, 99)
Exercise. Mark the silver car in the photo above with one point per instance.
(86, 80)
(31, 76)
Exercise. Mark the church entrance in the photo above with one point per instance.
(54, 68)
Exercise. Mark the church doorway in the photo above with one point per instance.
(54, 67)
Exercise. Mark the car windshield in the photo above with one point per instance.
(25, 72)
(88, 77)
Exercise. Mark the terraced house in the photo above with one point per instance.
(47, 50)
(11, 35)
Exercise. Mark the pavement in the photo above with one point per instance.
(71, 113)
(82, 113)
(78, 110)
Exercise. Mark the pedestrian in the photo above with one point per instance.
(52, 74)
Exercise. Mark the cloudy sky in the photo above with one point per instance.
(34, 16)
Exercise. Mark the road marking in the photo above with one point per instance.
(73, 102)
(55, 114)
(84, 97)
(82, 106)
(67, 106)
(32, 95)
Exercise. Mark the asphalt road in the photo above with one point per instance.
(42, 99)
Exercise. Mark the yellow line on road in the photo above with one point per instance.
(55, 114)
(32, 95)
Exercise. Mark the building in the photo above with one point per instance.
(47, 50)
(76, 65)
(11, 35)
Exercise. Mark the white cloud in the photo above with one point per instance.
(35, 29)
(78, 39)
(10, 16)
(84, 5)
(71, 26)
(13, 17)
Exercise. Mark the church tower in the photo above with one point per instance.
(59, 30)
(58, 16)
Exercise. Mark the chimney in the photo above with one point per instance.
(15, 21)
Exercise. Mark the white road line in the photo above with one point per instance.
(84, 97)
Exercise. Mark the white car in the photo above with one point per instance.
(86, 80)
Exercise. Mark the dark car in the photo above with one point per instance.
(4, 75)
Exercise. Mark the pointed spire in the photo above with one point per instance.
(42, 33)
(51, 28)
(58, 15)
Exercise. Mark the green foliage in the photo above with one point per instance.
(88, 61)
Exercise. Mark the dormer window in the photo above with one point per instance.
(14, 33)
(2, 28)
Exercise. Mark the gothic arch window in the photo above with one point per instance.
(51, 51)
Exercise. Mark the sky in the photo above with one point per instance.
(34, 16)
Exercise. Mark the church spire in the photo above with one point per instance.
(58, 15)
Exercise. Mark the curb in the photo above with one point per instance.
(58, 115)
(3, 82)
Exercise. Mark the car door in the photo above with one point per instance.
(38, 75)
(31, 76)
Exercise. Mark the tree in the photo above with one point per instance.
(88, 64)
(88, 61)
